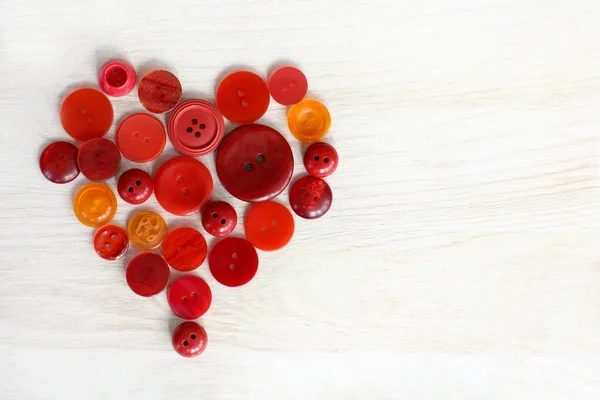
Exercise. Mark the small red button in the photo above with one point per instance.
(219, 218)
(184, 249)
(310, 197)
(243, 97)
(58, 162)
(196, 127)
(110, 242)
(320, 159)
(135, 186)
(159, 91)
(147, 274)
(99, 159)
(86, 114)
(233, 261)
(189, 297)
(287, 85)
(141, 137)
(254, 163)
(189, 339)
(183, 185)
(269, 225)
(117, 78)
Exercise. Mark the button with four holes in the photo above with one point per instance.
(99, 159)
(184, 248)
(219, 218)
(147, 274)
(189, 339)
(58, 162)
(196, 127)
(159, 91)
(95, 204)
(269, 225)
(117, 78)
(320, 159)
(287, 85)
(189, 297)
(86, 114)
(310, 197)
(243, 97)
(233, 261)
(309, 121)
(135, 186)
(146, 230)
(110, 242)
(141, 137)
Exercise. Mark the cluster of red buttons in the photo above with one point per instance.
(253, 162)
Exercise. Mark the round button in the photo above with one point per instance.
(320, 159)
(95, 204)
(189, 297)
(135, 186)
(99, 159)
(269, 225)
(196, 127)
(243, 97)
(184, 249)
(254, 163)
(310, 197)
(147, 274)
(141, 137)
(159, 91)
(309, 121)
(117, 78)
(219, 218)
(287, 85)
(189, 339)
(183, 185)
(233, 261)
(86, 114)
(110, 242)
(146, 230)
(58, 162)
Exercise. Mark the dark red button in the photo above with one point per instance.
(243, 97)
(189, 297)
(320, 159)
(254, 163)
(287, 85)
(233, 261)
(111, 242)
(189, 339)
(310, 197)
(219, 218)
(135, 186)
(184, 249)
(86, 114)
(58, 162)
(117, 78)
(141, 137)
(99, 159)
(147, 274)
(183, 185)
(196, 127)
(159, 91)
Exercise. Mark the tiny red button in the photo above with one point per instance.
(99, 159)
(147, 274)
(117, 78)
(135, 186)
(111, 242)
(58, 162)
(196, 127)
(233, 261)
(141, 137)
(184, 249)
(287, 85)
(219, 218)
(86, 114)
(243, 97)
(310, 197)
(320, 159)
(189, 339)
(189, 297)
(159, 91)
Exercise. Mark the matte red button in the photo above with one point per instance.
(196, 127)
(269, 225)
(287, 85)
(99, 159)
(111, 242)
(320, 159)
(310, 197)
(184, 249)
(147, 274)
(233, 261)
(141, 137)
(189, 297)
(58, 162)
(159, 91)
(219, 218)
(86, 114)
(243, 97)
(189, 339)
(135, 186)
(117, 78)
(183, 185)
(254, 163)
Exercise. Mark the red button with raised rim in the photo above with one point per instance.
(183, 185)
(287, 85)
(196, 127)
(58, 162)
(141, 137)
(111, 242)
(117, 78)
(219, 218)
(269, 225)
(135, 186)
(189, 339)
(189, 297)
(147, 274)
(86, 114)
(184, 249)
(99, 159)
(310, 197)
(320, 159)
(159, 91)
(243, 97)
(254, 163)
(233, 261)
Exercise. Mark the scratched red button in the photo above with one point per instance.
(287, 85)
(111, 242)
(254, 163)
(196, 127)
(184, 249)
(233, 261)
(141, 137)
(58, 162)
(189, 297)
(159, 91)
(86, 114)
(135, 186)
(219, 218)
(147, 274)
(310, 197)
(99, 159)
(243, 97)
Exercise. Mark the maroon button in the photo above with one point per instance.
(310, 197)
(219, 218)
(254, 163)
(111, 242)
(196, 127)
(58, 162)
(189, 297)
(233, 261)
(135, 186)
(320, 159)
(147, 274)
(99, 159)
(189, 339)
(159, 91)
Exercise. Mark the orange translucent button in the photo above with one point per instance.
(269, 225)
(95, 204)
(146, 230)
(86, 114)
(309, 121)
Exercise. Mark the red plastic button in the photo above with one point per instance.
(183, 185)
(287, 85)
(196, 127)
(269, 225)
(117, 78)
(184, 249)
(58, 162)
(159, 91)
(320, 159)
(243, 97)
(99, 159)
(189, 297)
(219, 218)
(189, 339)
(233, 261)
(254, 163)
(111, 242)
(141, 137)
(135, 186)
(86, 114)
(147, 274)
(310, 197)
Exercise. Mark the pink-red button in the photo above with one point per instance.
(135, 186)
(287, 85)
(243, 97)
(58, 162)
(147, 274)
(141, 137)
(159, 91)
(117, 78)
(310, 197)
(320, 159)
(111, 242)
(99, 159)
(233, 261)
(86, 114)
(189, 339)
(196, 127)
(189, 297)
(219, 218)
(184, 248)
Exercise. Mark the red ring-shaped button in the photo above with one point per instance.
(58, 162)
(184, 249)
(219, 218)
(243, 97)
(269, 225)
(287, 85)
(99, 159)
(189, 339)
(117, 78)
(233, 261)
(189, 297)
(196, 127)
(141, 137)
(310, 197)
(86, 114)
(147, 274)
(135, 186)
(159, 91)
(111, 242)
(254, 163)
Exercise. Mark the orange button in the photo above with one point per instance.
(146, 230)
(95, 204)
(309, 121)
(141, 137)
(269, 225)
(86, 114)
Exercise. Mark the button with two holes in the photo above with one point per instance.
(189, 297)
(58, 162)
(189, 339)
(110, 242)
(147, 274)
(269, 225)
(99, 159)
(243, 97)
(184, 248)
(287, 85)
(233, 261)
(310, 197)
(135, 186)
(219, 218)
(159, 91)
(196, 127)
(86, 114)
(141, 137)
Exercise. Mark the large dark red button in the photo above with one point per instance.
(159, 91)
(243, 97)
(111, 242)
(196, 127)
(254, 163)
(320, 159)
(58, 162)
(183, 185)
(287, 85)
(219, 218)
(233, 261)
(184, 249)
(147, 274)
(189, 339)
(135, 186)
(189, 297)
(310, 197)
(99, 159)
(86, 114)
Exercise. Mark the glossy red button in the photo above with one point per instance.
(111, 242)
(320, 159)
(184, 249)
(159, 91)
(117, 78)
(287, 85)
(196, 127)
(99, 159)
(189, 339)
(183, 185)
(219, 218)
(310, 197)
(141, 137)
(254, 163)
(135, 186)
(58, 162)
(243, 97)
(269, 225)
(233, 261)
(86, 114)
(189, 297)
(147, 274)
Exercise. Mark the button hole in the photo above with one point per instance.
(260, 159)
(192, 336)
(185, 192)
(202, 126)
(194, 121)
(215, 215)
(197, 134)
(240, 92)
(223, 221)
(189, 129)
(316, 158)
(326, 160)
(130, 189)
(184, 299)
(180, 179)
(113, 237)
(136, 134)
(248, 166)
(146, 140)
(185, 343)
(138, 182)
(194, 295)
(234, 256)
(273, 222)
(231, 267)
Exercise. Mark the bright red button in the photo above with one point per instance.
(99, 159)
(117, 78)
(58, 162)
(287, 85)
(310, 197)
(147, 274)
(269, 225)
(243, 97)
(110, 242)
(135, 186)
(184, 249)
(159, 91)
(189, 297)
(141, 137)
(219, 218)
(183, 185)
(320, 159)
(196, 127)
(86, 114)
(254, 163)
(189, 339)
(233, 261)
